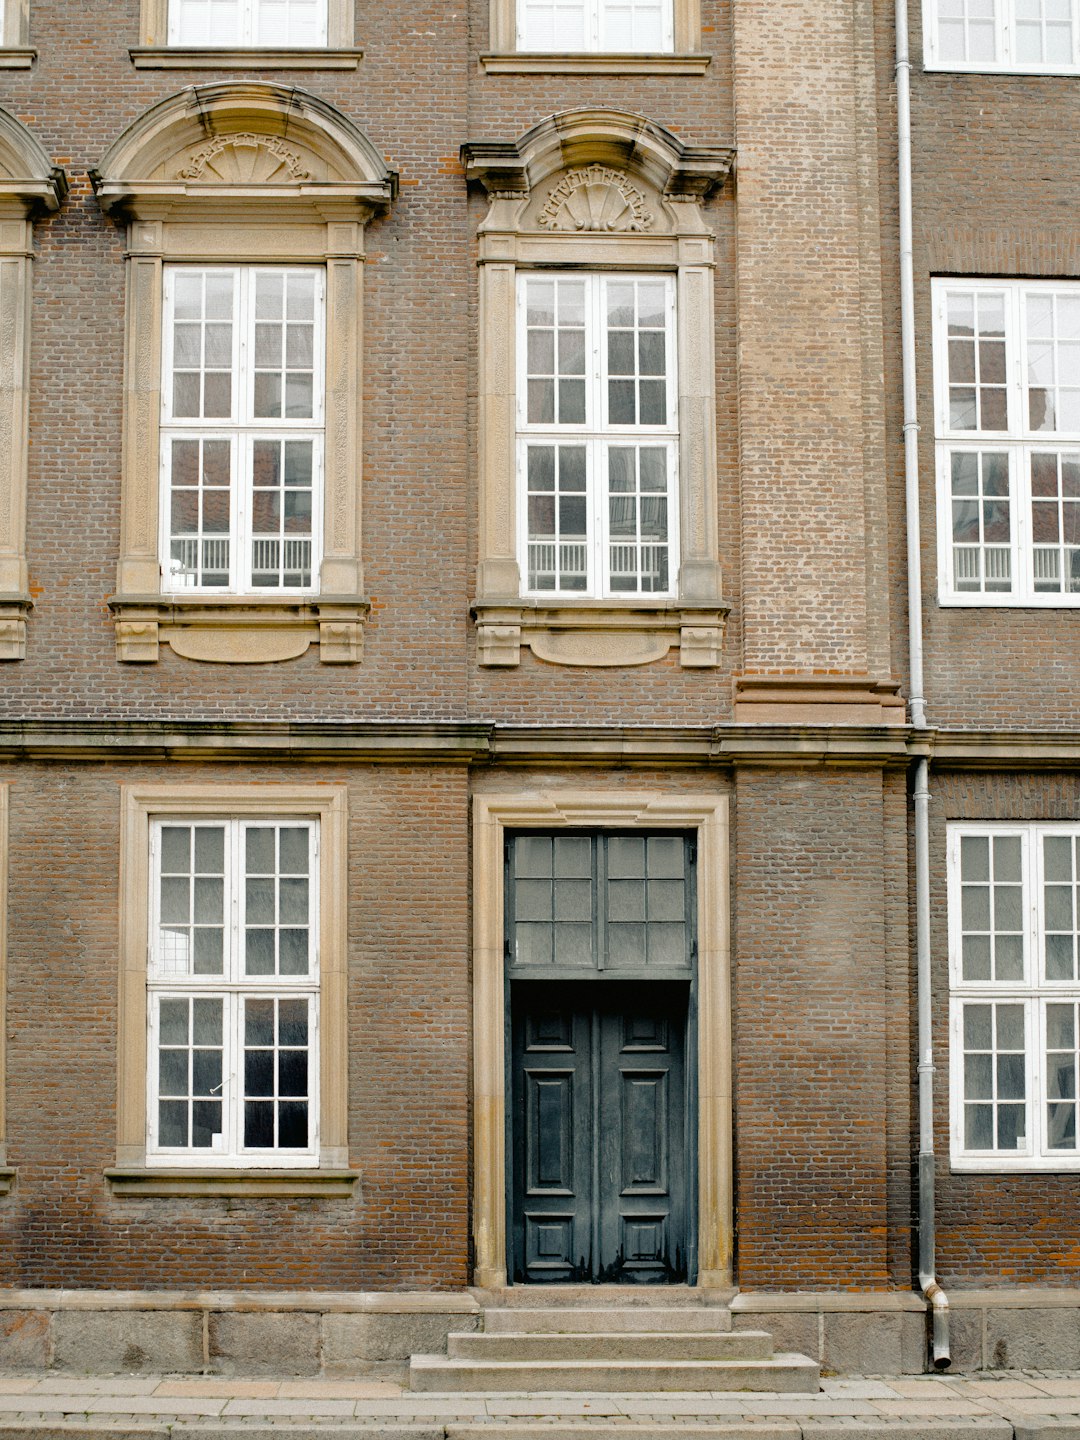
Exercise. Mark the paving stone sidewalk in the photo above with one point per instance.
(1028, 1405)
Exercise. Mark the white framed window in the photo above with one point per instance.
(1033, 36)
(266, 23)
(232, 987)
(1007, 402)
(1014, 964)
(597, 434)
(242, 429)
(569, 26)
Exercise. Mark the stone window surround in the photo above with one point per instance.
(7, 1174)
(677, 178)
(16, 52)
(29, 185)
(625, 810)
(328, 805)
(278, 222)
(153, 51)
(505, 58)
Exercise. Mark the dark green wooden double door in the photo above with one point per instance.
(600, 1144)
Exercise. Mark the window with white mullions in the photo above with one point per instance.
(598, 434)
(632, 26)
(232, 989)
(1007, 363)
(1034, 35)
(270, 23)
(1014, 917)
(242, 428)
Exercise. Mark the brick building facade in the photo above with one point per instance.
(454, 609)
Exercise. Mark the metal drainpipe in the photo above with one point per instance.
(931, 1290)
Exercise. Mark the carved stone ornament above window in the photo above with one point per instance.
(596, 198)
(243, 177)
(30, 185)
(598, 192)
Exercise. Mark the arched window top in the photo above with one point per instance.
(252, 144)
(635, 147)
(28, 178)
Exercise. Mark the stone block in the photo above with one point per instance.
(1032, 1339)
(243, 1343)
(914, 1343)
(352, 1341)
(862, 1343)
(24, 1339)
(108, 1341)
(865, 1427)
(966, 1340)
(792, 1331)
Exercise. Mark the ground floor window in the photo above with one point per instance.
(1014, 919)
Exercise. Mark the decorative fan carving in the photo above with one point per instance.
(595, 198)
(245, 159)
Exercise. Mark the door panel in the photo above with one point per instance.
(599, 1132)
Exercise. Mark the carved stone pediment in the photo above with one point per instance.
(596, 198)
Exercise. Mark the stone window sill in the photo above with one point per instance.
(592, 63)
(191, 57)
(599, 632)
(239, 629)
(144, 1181)
(17, 57)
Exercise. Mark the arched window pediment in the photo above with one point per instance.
(29, 181)
(252, 144)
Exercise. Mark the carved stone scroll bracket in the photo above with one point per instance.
(600, 635)
(13, 613)
(229, 631)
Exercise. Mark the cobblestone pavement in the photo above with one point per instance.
(1017, 1405)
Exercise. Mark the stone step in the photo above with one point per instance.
(611, 1345)
(656, 1430)
(571, 1320)
(791, 1374)
(594, 1297)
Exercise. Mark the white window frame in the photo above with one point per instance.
(241, 430)
(1017, 442)
(1005, 43)
(235, 989)
(247, 34)
(594, 30)
(1033, 993)
(598, 435)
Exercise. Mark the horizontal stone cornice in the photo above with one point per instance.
(485, 743)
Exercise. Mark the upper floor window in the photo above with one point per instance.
(602, 25)
(1034, 35)
(598, 433)
(264, 23)
(1014, 960)
(1007, 368)
(242, 428)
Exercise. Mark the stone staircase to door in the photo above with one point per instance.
(628, 1344)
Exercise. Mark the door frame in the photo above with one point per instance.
(597, 810)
